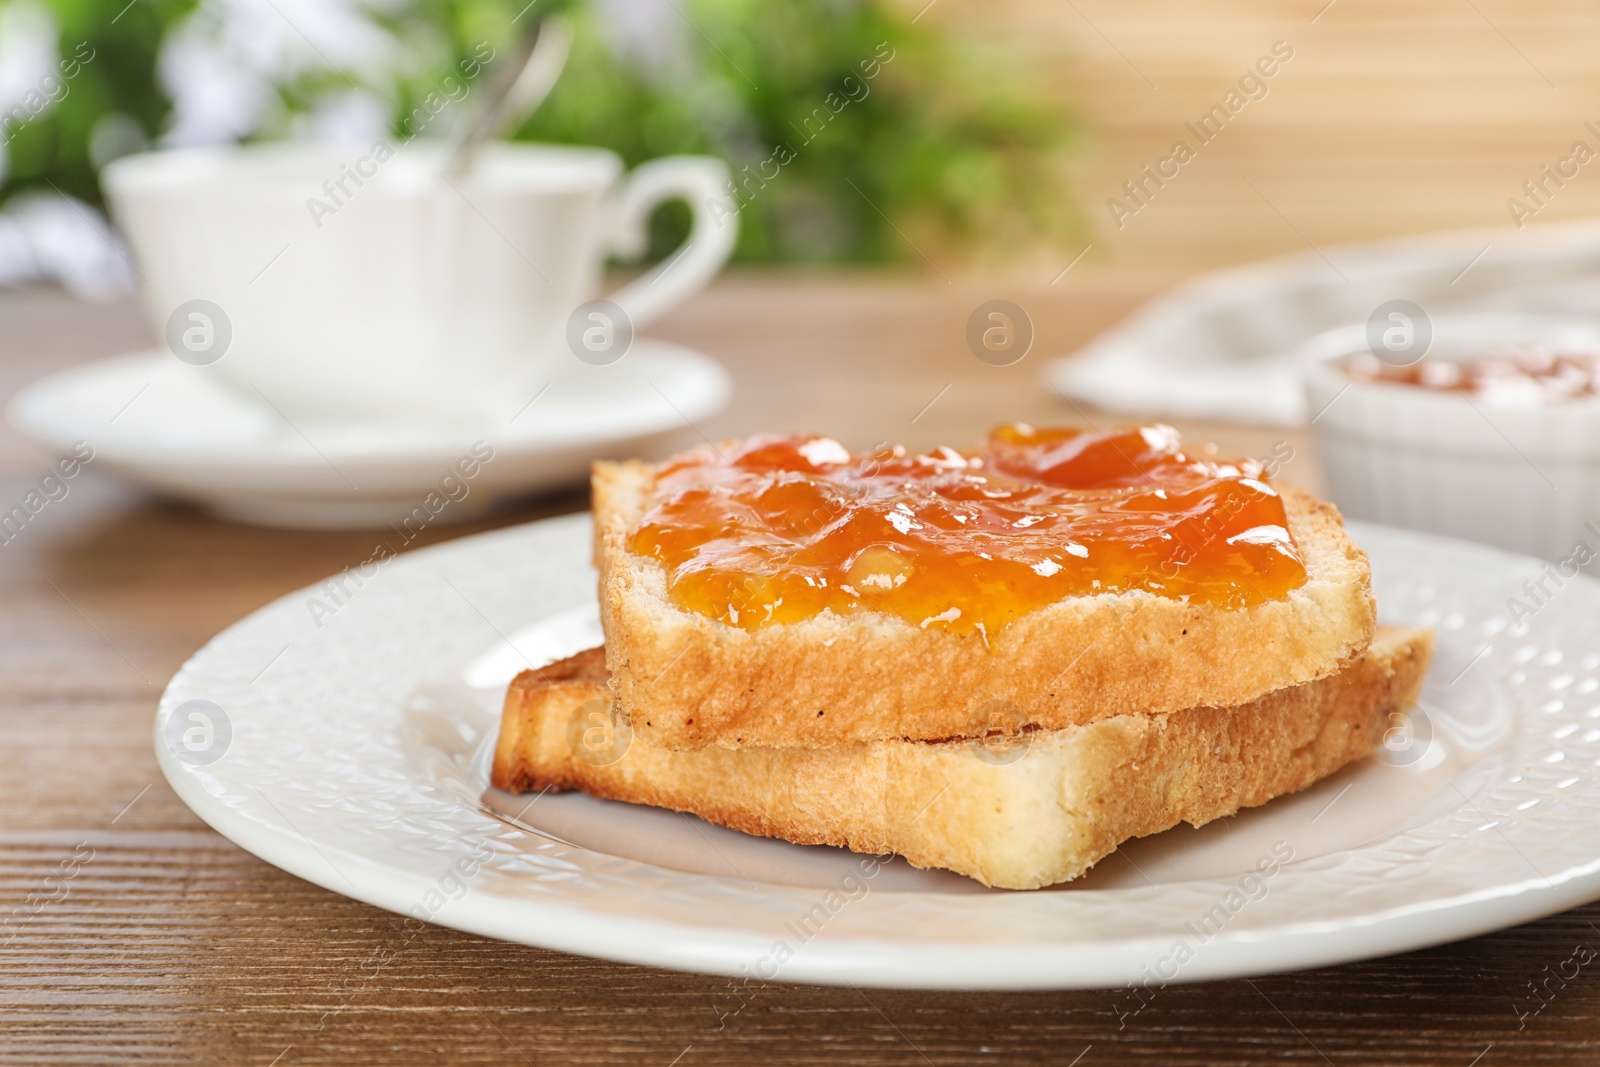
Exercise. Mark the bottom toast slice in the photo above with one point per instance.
(1014, 813)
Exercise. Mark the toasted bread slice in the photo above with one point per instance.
(1018, 814)
(685, 680)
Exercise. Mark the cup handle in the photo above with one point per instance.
(700, 180)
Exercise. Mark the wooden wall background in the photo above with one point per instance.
(1394, 117)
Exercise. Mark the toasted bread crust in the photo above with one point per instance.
(686, 681)
(1020, 819)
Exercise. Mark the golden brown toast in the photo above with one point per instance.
(685, 680)
(1015, 813)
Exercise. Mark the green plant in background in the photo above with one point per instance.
(105, 98)
(947, 138)
(855, 133)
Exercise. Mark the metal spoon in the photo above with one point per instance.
(518, 85)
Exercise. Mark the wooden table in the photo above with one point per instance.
(172, 945)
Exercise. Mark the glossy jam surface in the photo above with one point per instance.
(778, 529)
(1524, 376)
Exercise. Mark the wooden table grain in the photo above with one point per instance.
(167, 944)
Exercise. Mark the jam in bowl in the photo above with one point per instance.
(1491, 434)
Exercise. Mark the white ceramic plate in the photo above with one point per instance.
(344, 738)
(173, 428)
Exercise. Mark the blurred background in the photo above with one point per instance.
(897, 166)
(993, 140)
(957, 141)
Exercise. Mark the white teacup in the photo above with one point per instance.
(367, 286)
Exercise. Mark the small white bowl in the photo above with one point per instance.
(1524, 478)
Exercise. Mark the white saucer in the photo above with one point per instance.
(172, 428)
(346, 741)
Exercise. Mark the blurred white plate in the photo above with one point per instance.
(170, 427)
(1227, 345)
(347, 744)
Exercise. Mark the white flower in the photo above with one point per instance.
(28, 57)
(223, 64)
(45, 236)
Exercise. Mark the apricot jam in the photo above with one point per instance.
(778, 529)
(1526, 376)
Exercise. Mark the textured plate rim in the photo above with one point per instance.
(878, 961)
